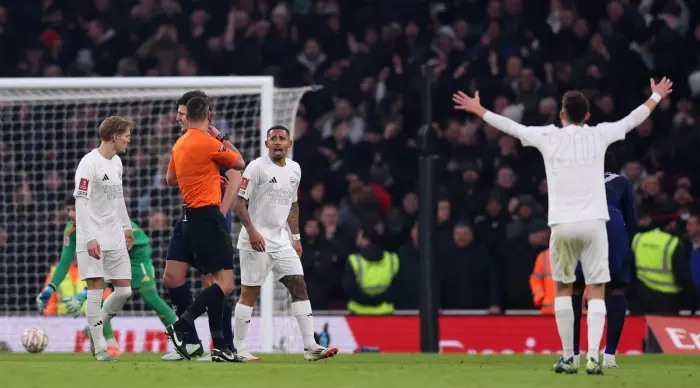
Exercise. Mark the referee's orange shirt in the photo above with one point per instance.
(195, 160)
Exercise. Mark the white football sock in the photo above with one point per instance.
(596, 324)
(94, 318)
(114, 303)
(564, 314)
(302, 312)
(242, 313)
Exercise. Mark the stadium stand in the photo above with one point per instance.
(356, 139)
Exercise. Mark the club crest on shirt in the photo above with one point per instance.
(293, 181)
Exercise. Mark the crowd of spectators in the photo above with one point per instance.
(356, 139)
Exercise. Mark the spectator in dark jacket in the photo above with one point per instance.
(318, 259)
(407, 282)
(468, 277)
(517, 258)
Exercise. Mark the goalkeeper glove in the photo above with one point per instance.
(44, 296)
(75, 303)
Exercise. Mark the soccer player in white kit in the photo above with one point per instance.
(104, 234)
(267, 203)
(574, 158)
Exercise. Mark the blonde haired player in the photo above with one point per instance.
(267, 203)
(104, 234)
(574, 157)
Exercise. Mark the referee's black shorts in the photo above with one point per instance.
(208, 236)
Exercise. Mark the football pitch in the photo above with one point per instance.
(345, 370)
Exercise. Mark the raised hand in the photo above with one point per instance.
(663, 88)
(213, 131)
(466, 103)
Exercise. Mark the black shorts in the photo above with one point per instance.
(208, 237)
(178, 247)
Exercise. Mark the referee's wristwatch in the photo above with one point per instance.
(220, 137)
(296, 237)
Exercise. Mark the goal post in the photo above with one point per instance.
(48, 124)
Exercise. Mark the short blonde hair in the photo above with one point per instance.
(113, 126)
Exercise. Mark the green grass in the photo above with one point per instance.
(355, 370)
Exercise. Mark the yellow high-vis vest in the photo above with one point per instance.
(653, 252)
(374, 278)
(70, 286)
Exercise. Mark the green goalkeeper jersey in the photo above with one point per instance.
(69, 245)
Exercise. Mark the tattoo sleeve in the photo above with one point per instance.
(241, 208)
(293, 218)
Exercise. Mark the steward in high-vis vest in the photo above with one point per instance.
(369, 276)
(70, 286)
(542, 285)
(663, 271)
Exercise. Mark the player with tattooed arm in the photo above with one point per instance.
(267, 203)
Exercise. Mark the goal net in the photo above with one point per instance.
(47, 125)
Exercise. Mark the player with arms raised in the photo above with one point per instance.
(104, 235)
(267, 203)
(574, 157)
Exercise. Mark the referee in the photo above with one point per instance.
(195, 161)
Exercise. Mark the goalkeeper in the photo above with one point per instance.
(143, 278)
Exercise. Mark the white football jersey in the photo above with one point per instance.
(270, 191)
(100, 208)
(574, 158)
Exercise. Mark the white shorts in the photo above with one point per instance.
(111, 265)
(585, 241)
(255, 266)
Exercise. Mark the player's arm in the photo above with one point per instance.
(241, 209)
(249, 181)
(170, 176)
(293, 222)
(222, 138)
(234, 182)
(642, 112)
(123, 211)
(84, 182)
(293, 218)
(221, 154)
(246, 190)
(502, 123)
(67, 254)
